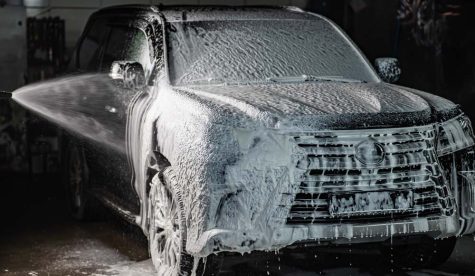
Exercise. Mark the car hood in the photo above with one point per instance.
(319, 105)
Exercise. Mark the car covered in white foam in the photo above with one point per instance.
(258, 129)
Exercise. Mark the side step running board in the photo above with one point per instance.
(109, 201)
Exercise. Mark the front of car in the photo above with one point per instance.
(298, 141)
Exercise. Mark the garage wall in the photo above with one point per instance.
(76, 12)
(13, 47)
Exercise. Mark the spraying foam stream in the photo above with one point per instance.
(90, 105)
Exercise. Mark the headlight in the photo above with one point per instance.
(456, 152)
(454, 135)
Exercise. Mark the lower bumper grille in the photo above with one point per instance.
(303, 211)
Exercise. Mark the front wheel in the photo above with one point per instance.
(167, 231)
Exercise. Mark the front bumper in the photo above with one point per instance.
(245, 241)
(280, 200)
(434, 227)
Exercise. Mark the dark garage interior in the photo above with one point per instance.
(433, 40)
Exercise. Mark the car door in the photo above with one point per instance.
(112, 39)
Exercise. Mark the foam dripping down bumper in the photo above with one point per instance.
(217, 240)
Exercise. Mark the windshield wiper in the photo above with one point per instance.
(304, 78)
(219, 81)
(289, 79)
(207, 81)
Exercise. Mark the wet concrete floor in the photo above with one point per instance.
(37, 237)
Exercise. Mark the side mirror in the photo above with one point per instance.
(388, 69)
(129, 74)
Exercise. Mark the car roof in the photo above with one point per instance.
(184, 13)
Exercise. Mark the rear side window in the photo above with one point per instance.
(89, 50)
(125, 43)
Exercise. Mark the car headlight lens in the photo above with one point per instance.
(456, 154)
(454, 135)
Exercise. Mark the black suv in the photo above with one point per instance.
(234, 129)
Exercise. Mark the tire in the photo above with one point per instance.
(80, 205)
(426, 254)
(443, 250)
(167, 231)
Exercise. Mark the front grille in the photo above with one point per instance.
(327, 164)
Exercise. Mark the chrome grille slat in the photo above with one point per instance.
(349, 150)
(364, 177)
(345, 162)
(309, 215)
(326, 164)
(322, 198)
(368, 188)
(343, 137)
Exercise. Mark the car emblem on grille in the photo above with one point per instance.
(370, 152)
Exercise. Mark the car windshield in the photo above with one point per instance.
(248, 51)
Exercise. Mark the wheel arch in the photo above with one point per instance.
(157, 162)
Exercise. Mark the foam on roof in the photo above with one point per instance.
(205, 13)
(210, 13)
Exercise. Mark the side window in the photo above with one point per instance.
(88, 53)
(125, 43)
